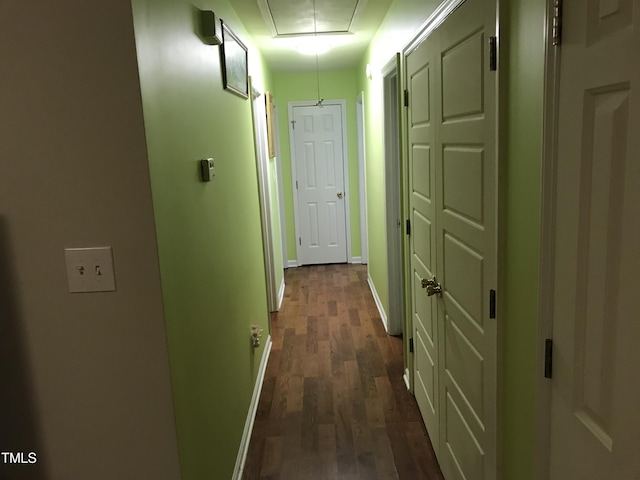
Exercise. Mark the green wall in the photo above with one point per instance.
(522, 77)
(334, 85)
(209, 234)
(375, 186)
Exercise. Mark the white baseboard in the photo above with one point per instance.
(292, 263)
(357, 260)
(251, 415)
(281, 294)
(406, 377)
(376, 298)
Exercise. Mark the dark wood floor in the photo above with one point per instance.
(333, 403)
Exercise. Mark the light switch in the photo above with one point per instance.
(90, 269)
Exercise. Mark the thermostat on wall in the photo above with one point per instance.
(207, 169)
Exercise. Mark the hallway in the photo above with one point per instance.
(334, 404)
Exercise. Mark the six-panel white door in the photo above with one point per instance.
(595, 393)
(320, 195)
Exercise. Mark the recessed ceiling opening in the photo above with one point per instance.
(295, 17)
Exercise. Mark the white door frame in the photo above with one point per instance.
(345, 167)
(258, 113)
(283, 223)
(393, 200)
(362, 180)
(547, 249)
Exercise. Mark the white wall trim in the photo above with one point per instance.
(406, 378)
(438, 16)
(292, 263)
(376, 298)
(356, 260)
(345, 149)
(251, 415)
(281, 294)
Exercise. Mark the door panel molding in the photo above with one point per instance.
(590, 233)
(452, 183)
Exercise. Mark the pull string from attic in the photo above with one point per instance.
(315, 38)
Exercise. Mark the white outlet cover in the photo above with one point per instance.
(90, 269)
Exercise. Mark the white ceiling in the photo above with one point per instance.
(272, 23)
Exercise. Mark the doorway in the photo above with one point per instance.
(274, 278)
(394, 223)
(320, 181)
(362, 180)
(451, 193)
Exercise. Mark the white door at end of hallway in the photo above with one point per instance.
(319, 184)
(595, 385)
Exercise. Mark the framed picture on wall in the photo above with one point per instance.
(234, 60)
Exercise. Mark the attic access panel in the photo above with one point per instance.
(295, 17)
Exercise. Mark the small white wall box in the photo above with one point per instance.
(211, 28)
(90, 269)
(207, 169)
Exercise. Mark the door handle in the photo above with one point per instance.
(339, 194)
(432, 286)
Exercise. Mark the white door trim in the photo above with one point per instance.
(258, 112)
(362, 180)
(345, 151)
(438, 16)
(547, 249)
(391, 104)
(283, 223)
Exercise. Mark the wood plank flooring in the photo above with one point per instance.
(333, 403)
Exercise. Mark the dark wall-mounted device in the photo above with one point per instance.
(207, 170)
(211, 28)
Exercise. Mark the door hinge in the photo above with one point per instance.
(548, 358)
(411, 345)
(300, 241)
(492, 304)
(493, 54)
(556, 23)
(296, 184)
(293, 124)
(408, 227)
(406, 97)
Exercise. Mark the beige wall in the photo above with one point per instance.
(85, 378)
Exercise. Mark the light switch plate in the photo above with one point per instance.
(90, 269)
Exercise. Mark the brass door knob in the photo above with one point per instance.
(339, 194)
(432, 286)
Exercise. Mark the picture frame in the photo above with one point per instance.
(235, 63)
